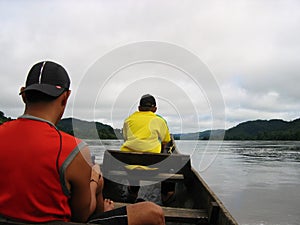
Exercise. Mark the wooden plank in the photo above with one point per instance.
(166, 163)
(117, 159)
(144, 176)
(213, 212)
(144, 158)
(197, 216)
(194, 216)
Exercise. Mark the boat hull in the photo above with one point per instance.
(192, 194)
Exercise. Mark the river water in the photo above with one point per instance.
(258, 181)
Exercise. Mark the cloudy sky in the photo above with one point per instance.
(210, 64)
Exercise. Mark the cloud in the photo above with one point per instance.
(250, 46)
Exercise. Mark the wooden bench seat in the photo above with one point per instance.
(156, 177)
(169, 167)
(193, 216)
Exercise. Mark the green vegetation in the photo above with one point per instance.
(265, 130)
(3, 118)
(87, 130)
(250, 130)
(82, 129)
(205, 135)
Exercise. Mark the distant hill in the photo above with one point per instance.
(87, 130)
(204, 135)
(3, 118)
(265, 130)
(82, 129)
(251, 130)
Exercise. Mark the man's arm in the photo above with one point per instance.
(165, 135)
(83, 192)
(124, 131)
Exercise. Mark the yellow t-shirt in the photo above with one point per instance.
(144, 132)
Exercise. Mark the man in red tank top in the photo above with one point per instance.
(46, 174)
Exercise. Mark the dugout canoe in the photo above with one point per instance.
(193, 202)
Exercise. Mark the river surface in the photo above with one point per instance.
(258, 181)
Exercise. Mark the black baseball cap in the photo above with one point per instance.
(47, 77)
(147, 101)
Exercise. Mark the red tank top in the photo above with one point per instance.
(31, 188)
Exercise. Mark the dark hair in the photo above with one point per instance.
(146, 108)
(34, 96)
(147, 101)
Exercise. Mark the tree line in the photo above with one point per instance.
(251, 130)
(81, 129)
(265, 130)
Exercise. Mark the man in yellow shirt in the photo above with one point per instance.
(145, 131)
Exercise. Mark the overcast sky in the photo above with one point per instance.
(210, 64)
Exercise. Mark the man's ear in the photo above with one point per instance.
(65, 97)
(23, 94)
(154, 109)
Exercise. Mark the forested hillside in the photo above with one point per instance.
(82, 129)
(251, 130)
(86, 130)
(3, 118)
(265, 130)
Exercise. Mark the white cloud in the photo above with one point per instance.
(251, 46)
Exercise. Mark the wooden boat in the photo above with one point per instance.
(193, 202)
